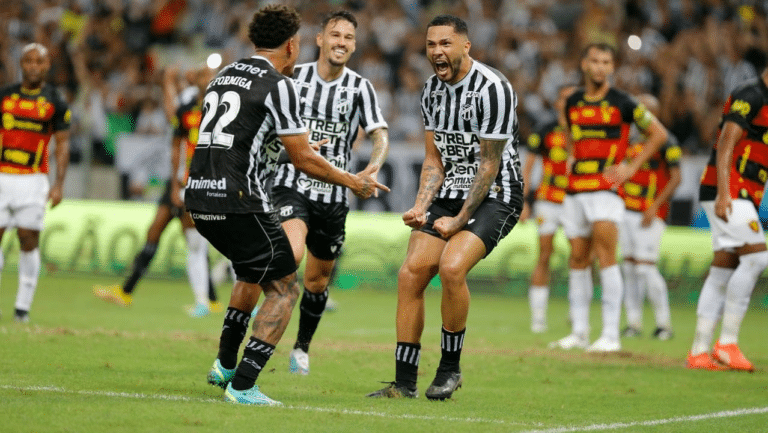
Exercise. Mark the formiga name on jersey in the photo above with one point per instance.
(229, 80)
(202, 183)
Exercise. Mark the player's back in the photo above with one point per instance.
(244, 110)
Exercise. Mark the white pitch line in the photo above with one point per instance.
(166, 397)
(565, 429)
(656, 422)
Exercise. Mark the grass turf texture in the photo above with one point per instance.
(83, 365)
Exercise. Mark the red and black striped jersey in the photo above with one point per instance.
(600, 134)
(747, 106)
(186, 125)
(549, 143)
(640, 191)
(29, 119)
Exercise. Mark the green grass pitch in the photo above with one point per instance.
(83, 365)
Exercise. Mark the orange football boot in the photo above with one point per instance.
(702, 361)
(731, 356)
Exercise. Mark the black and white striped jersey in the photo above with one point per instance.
(332, 110)
(480, 106)
(245, 108)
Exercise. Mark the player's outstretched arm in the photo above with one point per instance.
(432, 176)
(314, 165)
(380, 139)
(62, 163)
(490, 159)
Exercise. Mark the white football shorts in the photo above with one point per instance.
(583, 209)
(22, 200)
(743, 226)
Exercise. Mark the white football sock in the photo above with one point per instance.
(29, 272)
(197, 265)
(538, 297)
(633, 299)
(610, 279)
(580, 296)
(650, 277)
(738, 292)
(709, 308)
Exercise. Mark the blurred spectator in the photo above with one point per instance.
(105, 52)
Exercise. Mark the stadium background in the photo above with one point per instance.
(108, 58)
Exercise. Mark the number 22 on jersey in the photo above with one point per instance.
(219, 112)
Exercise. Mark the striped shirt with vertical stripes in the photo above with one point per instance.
(480, 106)
(245, 108)
(333, 110)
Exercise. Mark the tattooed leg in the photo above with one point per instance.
(275, 312)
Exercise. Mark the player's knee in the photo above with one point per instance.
(452, 274)
(414, 270)
(28, 240)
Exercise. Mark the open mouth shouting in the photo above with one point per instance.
(442, 68)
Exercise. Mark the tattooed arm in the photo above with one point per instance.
(432, 175)
(490, 159)
(380, 138)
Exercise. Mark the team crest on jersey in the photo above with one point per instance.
(343, 105)
(754, 225)
(286, 211)
(466, 111)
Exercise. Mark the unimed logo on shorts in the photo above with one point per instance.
(202, 183)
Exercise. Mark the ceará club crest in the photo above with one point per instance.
(343, 105)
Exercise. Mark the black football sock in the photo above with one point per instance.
(140, 265)
(255, 356)
(451, 344)
(311, 310)
(407, 357)
(232, 335)
(212, 297)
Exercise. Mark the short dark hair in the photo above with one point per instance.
(338, 15)
(458, 24)
(600, 46)
(272, 25)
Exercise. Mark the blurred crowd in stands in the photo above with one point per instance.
(110, 56)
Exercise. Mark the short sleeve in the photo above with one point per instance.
(498, 115)
(283, 103)
(745, 103)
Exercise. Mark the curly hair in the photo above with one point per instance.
(272, 25)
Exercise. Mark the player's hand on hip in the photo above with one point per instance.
(723, 206)
(415, 218)
(448, 226)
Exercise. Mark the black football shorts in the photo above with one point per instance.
(255, 243)
(491, 222)
(325, 221)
